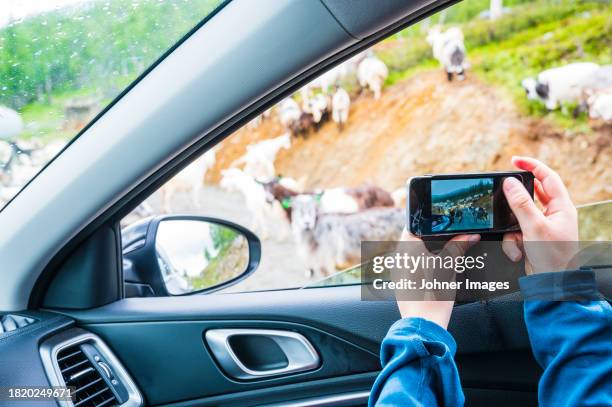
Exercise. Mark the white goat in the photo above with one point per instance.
(326, 80)
(190, 179)
(256, 202)
(449, 49)
(599, 104)
(341, 104)
(328, 240)
(597, 94)
(557, 86)
(289, 112)
(371, 73)
(337, 200)
(259, 158)
(317, 106)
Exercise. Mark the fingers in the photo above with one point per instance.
(551, 182)
(511, 246)
(460, 244)
(540, 193)
(521, 203)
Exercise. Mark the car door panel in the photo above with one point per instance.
(171, 361)
(160, 341)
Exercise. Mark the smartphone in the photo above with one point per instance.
(452, 204)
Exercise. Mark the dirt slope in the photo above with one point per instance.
(427, 125)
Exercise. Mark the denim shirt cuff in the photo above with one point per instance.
(574, 285)
(429, 331)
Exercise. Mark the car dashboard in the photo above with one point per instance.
(42, 351)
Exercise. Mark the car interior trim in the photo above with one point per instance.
(50, 348)
(338, 400)
(301, 355)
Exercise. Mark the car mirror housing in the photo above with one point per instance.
(185, 254)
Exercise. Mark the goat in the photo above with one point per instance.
(328, 240)
(326, 80)
(256, 202)
(282, 190)
(289, 112)
(334, 75)
(318, 106)
(302, 126)
(259, 158)
(332, 200)
(341, 103)
(448, 48)
(557, 86)
(371, 196)
(190, 179)
(371, 73)
(599, 104)
(597, 94)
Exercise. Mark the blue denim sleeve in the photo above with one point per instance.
(418, 367)
(570, 330)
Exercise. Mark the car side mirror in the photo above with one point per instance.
(176, 255)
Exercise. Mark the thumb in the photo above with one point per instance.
(519, 200)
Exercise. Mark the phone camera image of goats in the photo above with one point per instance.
(462, 204)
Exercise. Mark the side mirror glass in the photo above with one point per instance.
(175, 255)
(194, 255)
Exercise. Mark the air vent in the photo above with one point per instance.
(81, 360)
(11, 322)
(90, 388)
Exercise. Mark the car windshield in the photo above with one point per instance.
(63, 61)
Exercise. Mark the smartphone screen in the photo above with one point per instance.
(462, 203)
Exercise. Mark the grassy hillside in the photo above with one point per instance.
(89, 44)
(531, 37)
(94, 48)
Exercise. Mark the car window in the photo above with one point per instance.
(458, 92)
(63, 61)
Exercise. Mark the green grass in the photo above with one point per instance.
(85, 50)
(398, 76)
(535, 36)
(45, 120)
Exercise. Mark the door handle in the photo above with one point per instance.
(249, 354)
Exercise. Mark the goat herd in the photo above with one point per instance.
(325, 98)
(326, 225)
(586, 85)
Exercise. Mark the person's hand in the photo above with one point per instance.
(435, 311)
(548, 237)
